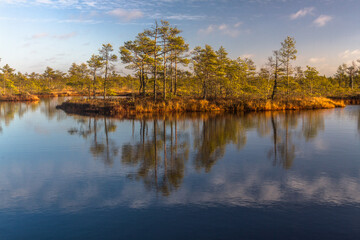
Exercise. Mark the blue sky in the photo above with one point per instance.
(56, 33)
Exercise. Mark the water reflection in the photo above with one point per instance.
(210, 136)
(244, 159)
(213, 134)
(10, 110)
(158, 155)
(283, 152)
(67, 173)
(105, 148)
(359, 123)
(159, 147)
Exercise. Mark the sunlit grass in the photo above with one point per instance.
(112, 107)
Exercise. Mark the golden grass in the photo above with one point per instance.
(19, 98)
(126, 106)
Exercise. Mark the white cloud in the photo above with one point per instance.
(46, 35)
(223, 27)
(317, 60)
(44, 1)
(238, 24)
(247, 55)
(350, 54)
(322, 20)
(208, 30)
(230, 30)
(302, 13)
(90, 3)
(39, 35)
(12, 1)
(183, 17)
(126, 15)
(65, 36)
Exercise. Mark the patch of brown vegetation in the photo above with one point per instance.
(19, 98)
(58, 94)
(349, 100)
(126, 106)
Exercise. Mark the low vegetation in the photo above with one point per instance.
(19, 98)
(167, 76)
(125, 106)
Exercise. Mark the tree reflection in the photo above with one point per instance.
(150, 155)
(216, 133)
(48, 107)
(313, 122)
(359, 122)
(285, 128)
(9, 110)
(283, 151)
(287, 147)
(160, 146)
(103, 148)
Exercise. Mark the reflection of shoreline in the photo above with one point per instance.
(10, 110)
(177, 159)
(161, 151)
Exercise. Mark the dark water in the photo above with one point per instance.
(293, 175)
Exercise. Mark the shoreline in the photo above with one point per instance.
(36, 97)
(127, 107)
(348, 100)
(19, 98)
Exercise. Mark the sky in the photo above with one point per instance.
(40, 33)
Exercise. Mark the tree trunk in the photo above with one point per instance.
(171, 76)
(94, 90)
(164, 90)
(287, 76)
(4, 82)
(165, 159)
(105, 80)
(275, 79)
(176, 76)
(155, 60)
(204, 89)
(155, 146)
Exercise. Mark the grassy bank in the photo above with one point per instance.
(120, 107)
(58, 94)
(19, 98)
(347, 99)
(26, 97)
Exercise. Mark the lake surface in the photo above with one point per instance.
(279, 175)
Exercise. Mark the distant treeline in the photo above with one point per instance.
(164, 67)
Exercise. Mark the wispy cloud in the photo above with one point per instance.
(302, 13)
(350, 54)
(106, 5)
(322, 20)
(47, 35)
(12, 1)
(45, 1)
(65, 36)
(126, 15)
(226, 29)
(317, 60)
(90, 3)
(184, 17)
(39, 35)
(247, 55)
